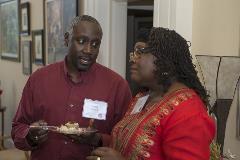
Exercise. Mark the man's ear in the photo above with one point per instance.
(66, 39)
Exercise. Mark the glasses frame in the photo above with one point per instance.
(137, 52)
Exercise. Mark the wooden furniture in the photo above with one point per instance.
(2, 110)
(13, 153)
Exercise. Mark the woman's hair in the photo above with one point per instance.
(174, 61)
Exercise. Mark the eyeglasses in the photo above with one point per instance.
(137, 52)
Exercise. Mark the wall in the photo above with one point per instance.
(216, 27)
(216, 31)
(175, 15)
(11, 76)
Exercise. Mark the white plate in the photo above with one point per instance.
(80, 131)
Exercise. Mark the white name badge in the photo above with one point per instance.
(94, 109)
(140, 104)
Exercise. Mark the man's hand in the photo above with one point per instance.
(36, 135)
(93, 139)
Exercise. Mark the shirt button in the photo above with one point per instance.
(65, 142)
(71, 105)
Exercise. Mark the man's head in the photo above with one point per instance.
(83, 41)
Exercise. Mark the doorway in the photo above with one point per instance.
(139, 15)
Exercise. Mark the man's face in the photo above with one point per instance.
(84, 44)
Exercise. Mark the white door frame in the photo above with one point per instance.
(112, 15)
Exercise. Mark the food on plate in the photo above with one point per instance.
(70, 128)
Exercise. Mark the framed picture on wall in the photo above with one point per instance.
(25, 18)
(9, 30)
(58, 15)
(26, 57)
(38, 47)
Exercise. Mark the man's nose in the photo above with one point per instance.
(87, 48)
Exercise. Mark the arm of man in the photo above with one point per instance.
(122, 99)
(22, 119)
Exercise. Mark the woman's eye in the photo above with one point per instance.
(139, 51)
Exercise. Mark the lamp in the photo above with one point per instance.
(220, 77)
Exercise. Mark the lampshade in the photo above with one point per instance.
(220, 77)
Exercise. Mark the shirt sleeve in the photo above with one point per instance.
(23, 118)
(188, 137)
(122, 99)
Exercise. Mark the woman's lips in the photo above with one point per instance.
(133, 70)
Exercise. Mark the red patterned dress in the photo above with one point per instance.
(176, 128)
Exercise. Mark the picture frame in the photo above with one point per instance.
(25, 18)
(38, 47)
(58, 15)
(9, 30)
(26, 57)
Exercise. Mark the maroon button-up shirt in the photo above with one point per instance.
(51, 95)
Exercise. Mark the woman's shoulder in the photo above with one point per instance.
(190, 102)
(185, 105)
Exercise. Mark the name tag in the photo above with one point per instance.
(94, 109)
(139, 104)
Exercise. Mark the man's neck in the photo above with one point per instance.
(73, 73)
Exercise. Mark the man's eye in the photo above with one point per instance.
(95, 44)
(81, 41)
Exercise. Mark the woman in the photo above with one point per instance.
(170, 120)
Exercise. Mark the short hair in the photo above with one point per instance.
(78, 19)
(174, 60)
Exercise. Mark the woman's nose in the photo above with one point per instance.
(133, 57)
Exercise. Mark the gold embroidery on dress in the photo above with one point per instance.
(140, 146)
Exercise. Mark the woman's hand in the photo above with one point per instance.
(105, 153)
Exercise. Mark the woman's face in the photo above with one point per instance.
(142, 65)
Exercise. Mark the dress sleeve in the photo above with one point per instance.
(23, 118)
(188, 137)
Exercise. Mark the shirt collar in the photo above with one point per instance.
(83, 76)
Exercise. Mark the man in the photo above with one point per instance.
(56, 94)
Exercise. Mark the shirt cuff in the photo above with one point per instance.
(30, 147)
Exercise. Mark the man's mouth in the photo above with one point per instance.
(84, 60)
